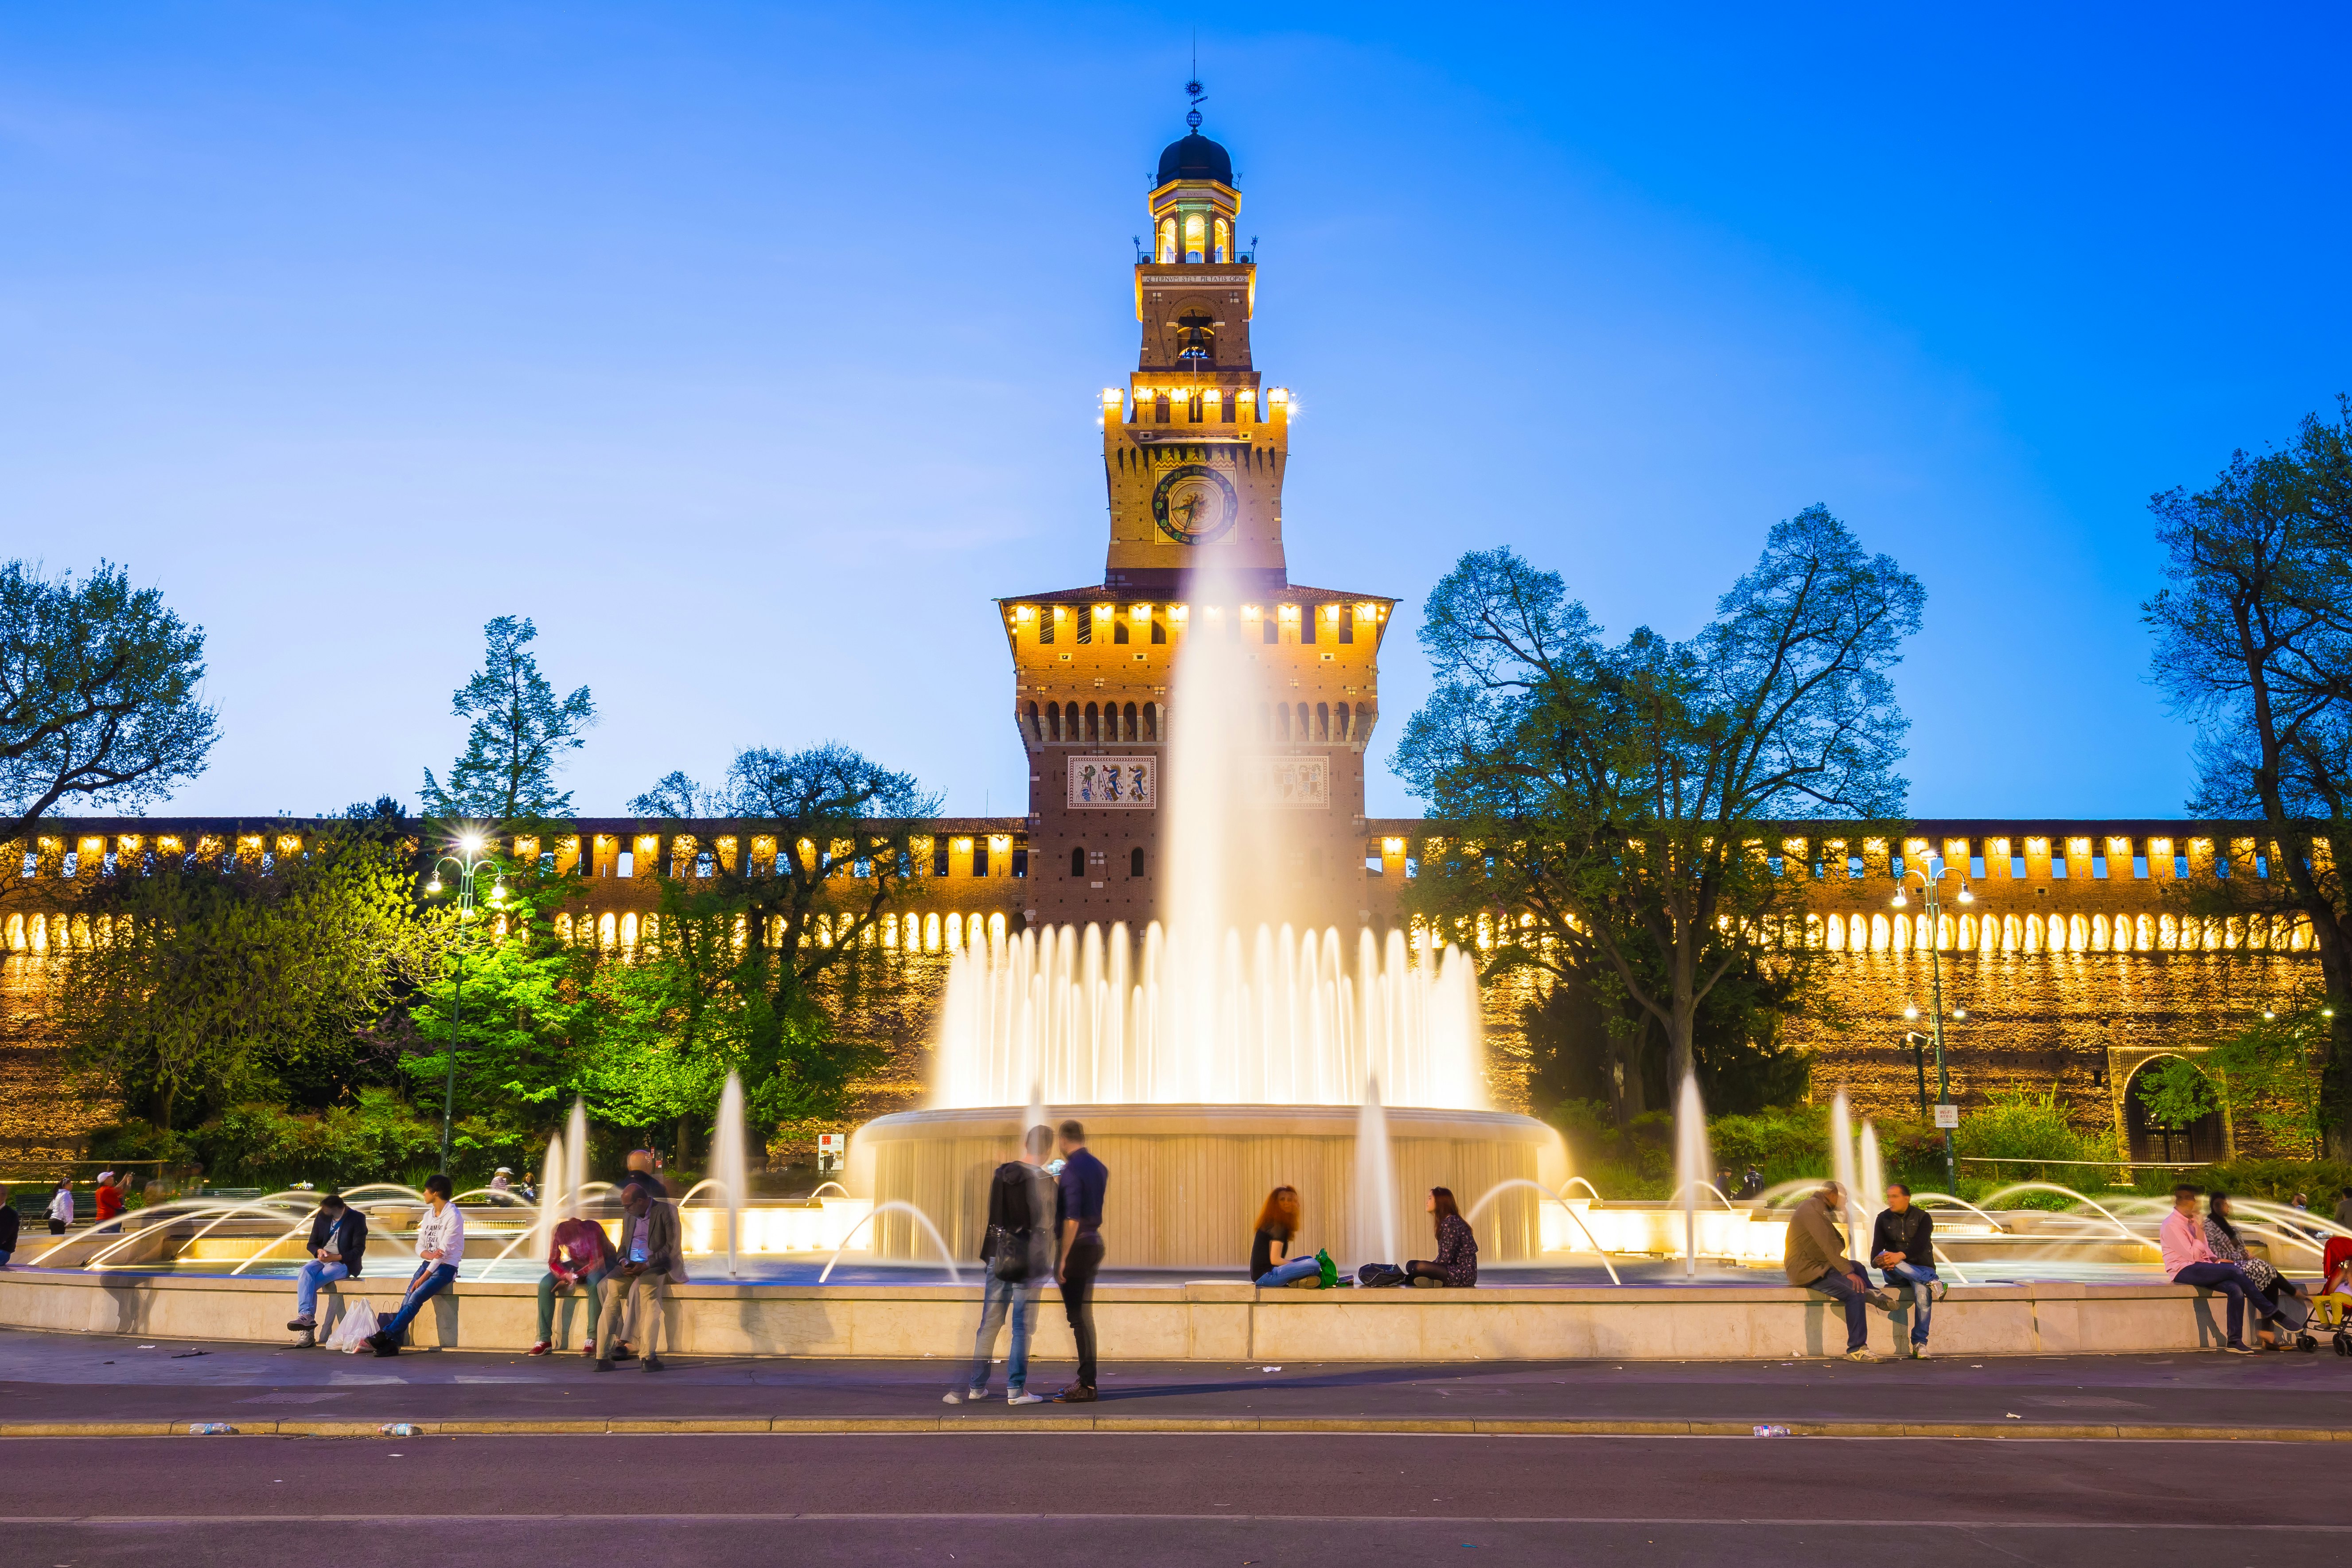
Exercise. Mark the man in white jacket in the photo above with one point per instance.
(440, 1243)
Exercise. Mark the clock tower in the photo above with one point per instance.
(1194, 449)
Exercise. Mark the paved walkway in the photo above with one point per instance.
(61, 1383)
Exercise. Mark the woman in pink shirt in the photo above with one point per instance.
(2189, 1261)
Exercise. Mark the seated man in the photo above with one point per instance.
(2188, 1261)
(579, 1254)
(648, 1254)
(1816, 1260)
(337, 1242)
(1901, 1242)
(440, 1243)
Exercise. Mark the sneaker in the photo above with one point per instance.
(589, 1349)
(308, 1341)
(1881, 1300)
(603, 1363)
(1860, 1355)
(2238, 1347)
(542, 1348)
(1077, 1394)
(958, 1395)
(1023, 1397)
(653, 1363)
(383, 1344)
(302, 1325)
(1918, 1353)
(1941, 1290)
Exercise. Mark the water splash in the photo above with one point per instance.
(899, 1206)
(728, 1165)
(1842, 1168)
(575, 1154)
(1375, 1239)
(1691, 1167)
(1872, 1195)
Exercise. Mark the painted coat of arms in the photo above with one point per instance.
(1113, 783)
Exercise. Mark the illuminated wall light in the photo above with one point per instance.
(1330, 612)
(1289, 612)
(1105, 612)
(1060, 612)
(1138, 611)
(1180, 614)
(1025, 612)
(1251, 612)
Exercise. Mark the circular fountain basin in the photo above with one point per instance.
(1186, 1180)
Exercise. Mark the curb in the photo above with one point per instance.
(1274, 1425)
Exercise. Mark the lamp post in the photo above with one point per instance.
(469, 859)
(1930, 876)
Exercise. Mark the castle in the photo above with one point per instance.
(2075, 966)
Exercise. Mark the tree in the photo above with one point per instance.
(844, 848)
(521, 733)
(97, 695)
(2253, 645)
(1623, 797)
(209, 987)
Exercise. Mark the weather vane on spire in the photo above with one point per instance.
(1193, 87)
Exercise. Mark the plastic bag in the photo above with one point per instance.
(1331, 1269)
(352, 1334)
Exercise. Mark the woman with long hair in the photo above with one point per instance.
(2223, 1239)
(1273, 1250)
(1456, 1262)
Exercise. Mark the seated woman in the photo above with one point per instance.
(2221, 1236)
(1457, 1250)
(1278, 1228)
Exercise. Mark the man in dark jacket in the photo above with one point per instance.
(648, 1252)
(1016, 1253)
(1902, 1244)
(337, 1243)
(10, 1222)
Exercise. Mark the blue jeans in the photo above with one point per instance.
(1287, 1273)
(1919, 1278)
(2231, 1281)
(431, 1279)
(1021, 1298)
(307, 1281)
(1840, 1286)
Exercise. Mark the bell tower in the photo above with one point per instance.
(1194, 449)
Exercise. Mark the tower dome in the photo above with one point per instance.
(1195, 157)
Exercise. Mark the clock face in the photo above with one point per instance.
(1194, 504)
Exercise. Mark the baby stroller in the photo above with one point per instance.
(2339, 1251)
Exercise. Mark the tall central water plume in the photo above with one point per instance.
(1222, 1000)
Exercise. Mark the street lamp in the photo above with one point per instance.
(469, 859)
(1930, 876)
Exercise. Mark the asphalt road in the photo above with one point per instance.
(1248, 1502)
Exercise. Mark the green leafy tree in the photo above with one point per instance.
(204, 988)
(520, 734)
(2253, 644)
(97, 695)
(2267, 1076)
(1624, 796)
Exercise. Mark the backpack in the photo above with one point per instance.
(1331, 1269)
(1379, 1276)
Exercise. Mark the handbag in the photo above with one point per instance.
(1008, 1253)
(1330, 1271)
(357, 1326)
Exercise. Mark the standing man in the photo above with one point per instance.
(648, 1254)
(1816, 1260)
(2189, 1261)
(112, 1192)
(337, 1242)
(61, 1206)
(440, 1244)
(9, 1223)
(1902, 1244)
(1017, 1253)
(1078, 1215)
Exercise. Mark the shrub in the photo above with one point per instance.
(2323, 1181)
(379, 1137)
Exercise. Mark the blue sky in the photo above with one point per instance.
(750, 350)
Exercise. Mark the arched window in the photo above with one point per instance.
(1305, 720)
(1078, 860)
(1322, 720)
(1363, 720)
(1167, 252)
(1094, 722)
(1269, 630)
(1158, 630)
(1131, 721)
(1343, 717)
(1119, 630)
(1135, 861)
(1036, 731)
(1282, 721)
(1196, 237)
(1225, 242)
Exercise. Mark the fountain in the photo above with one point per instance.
(575, 1153)
(1691, 1167)
(1842, 1169)
(1375, 1238)
(1871, 1196)
(727, 1165)
(1223, 1050)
